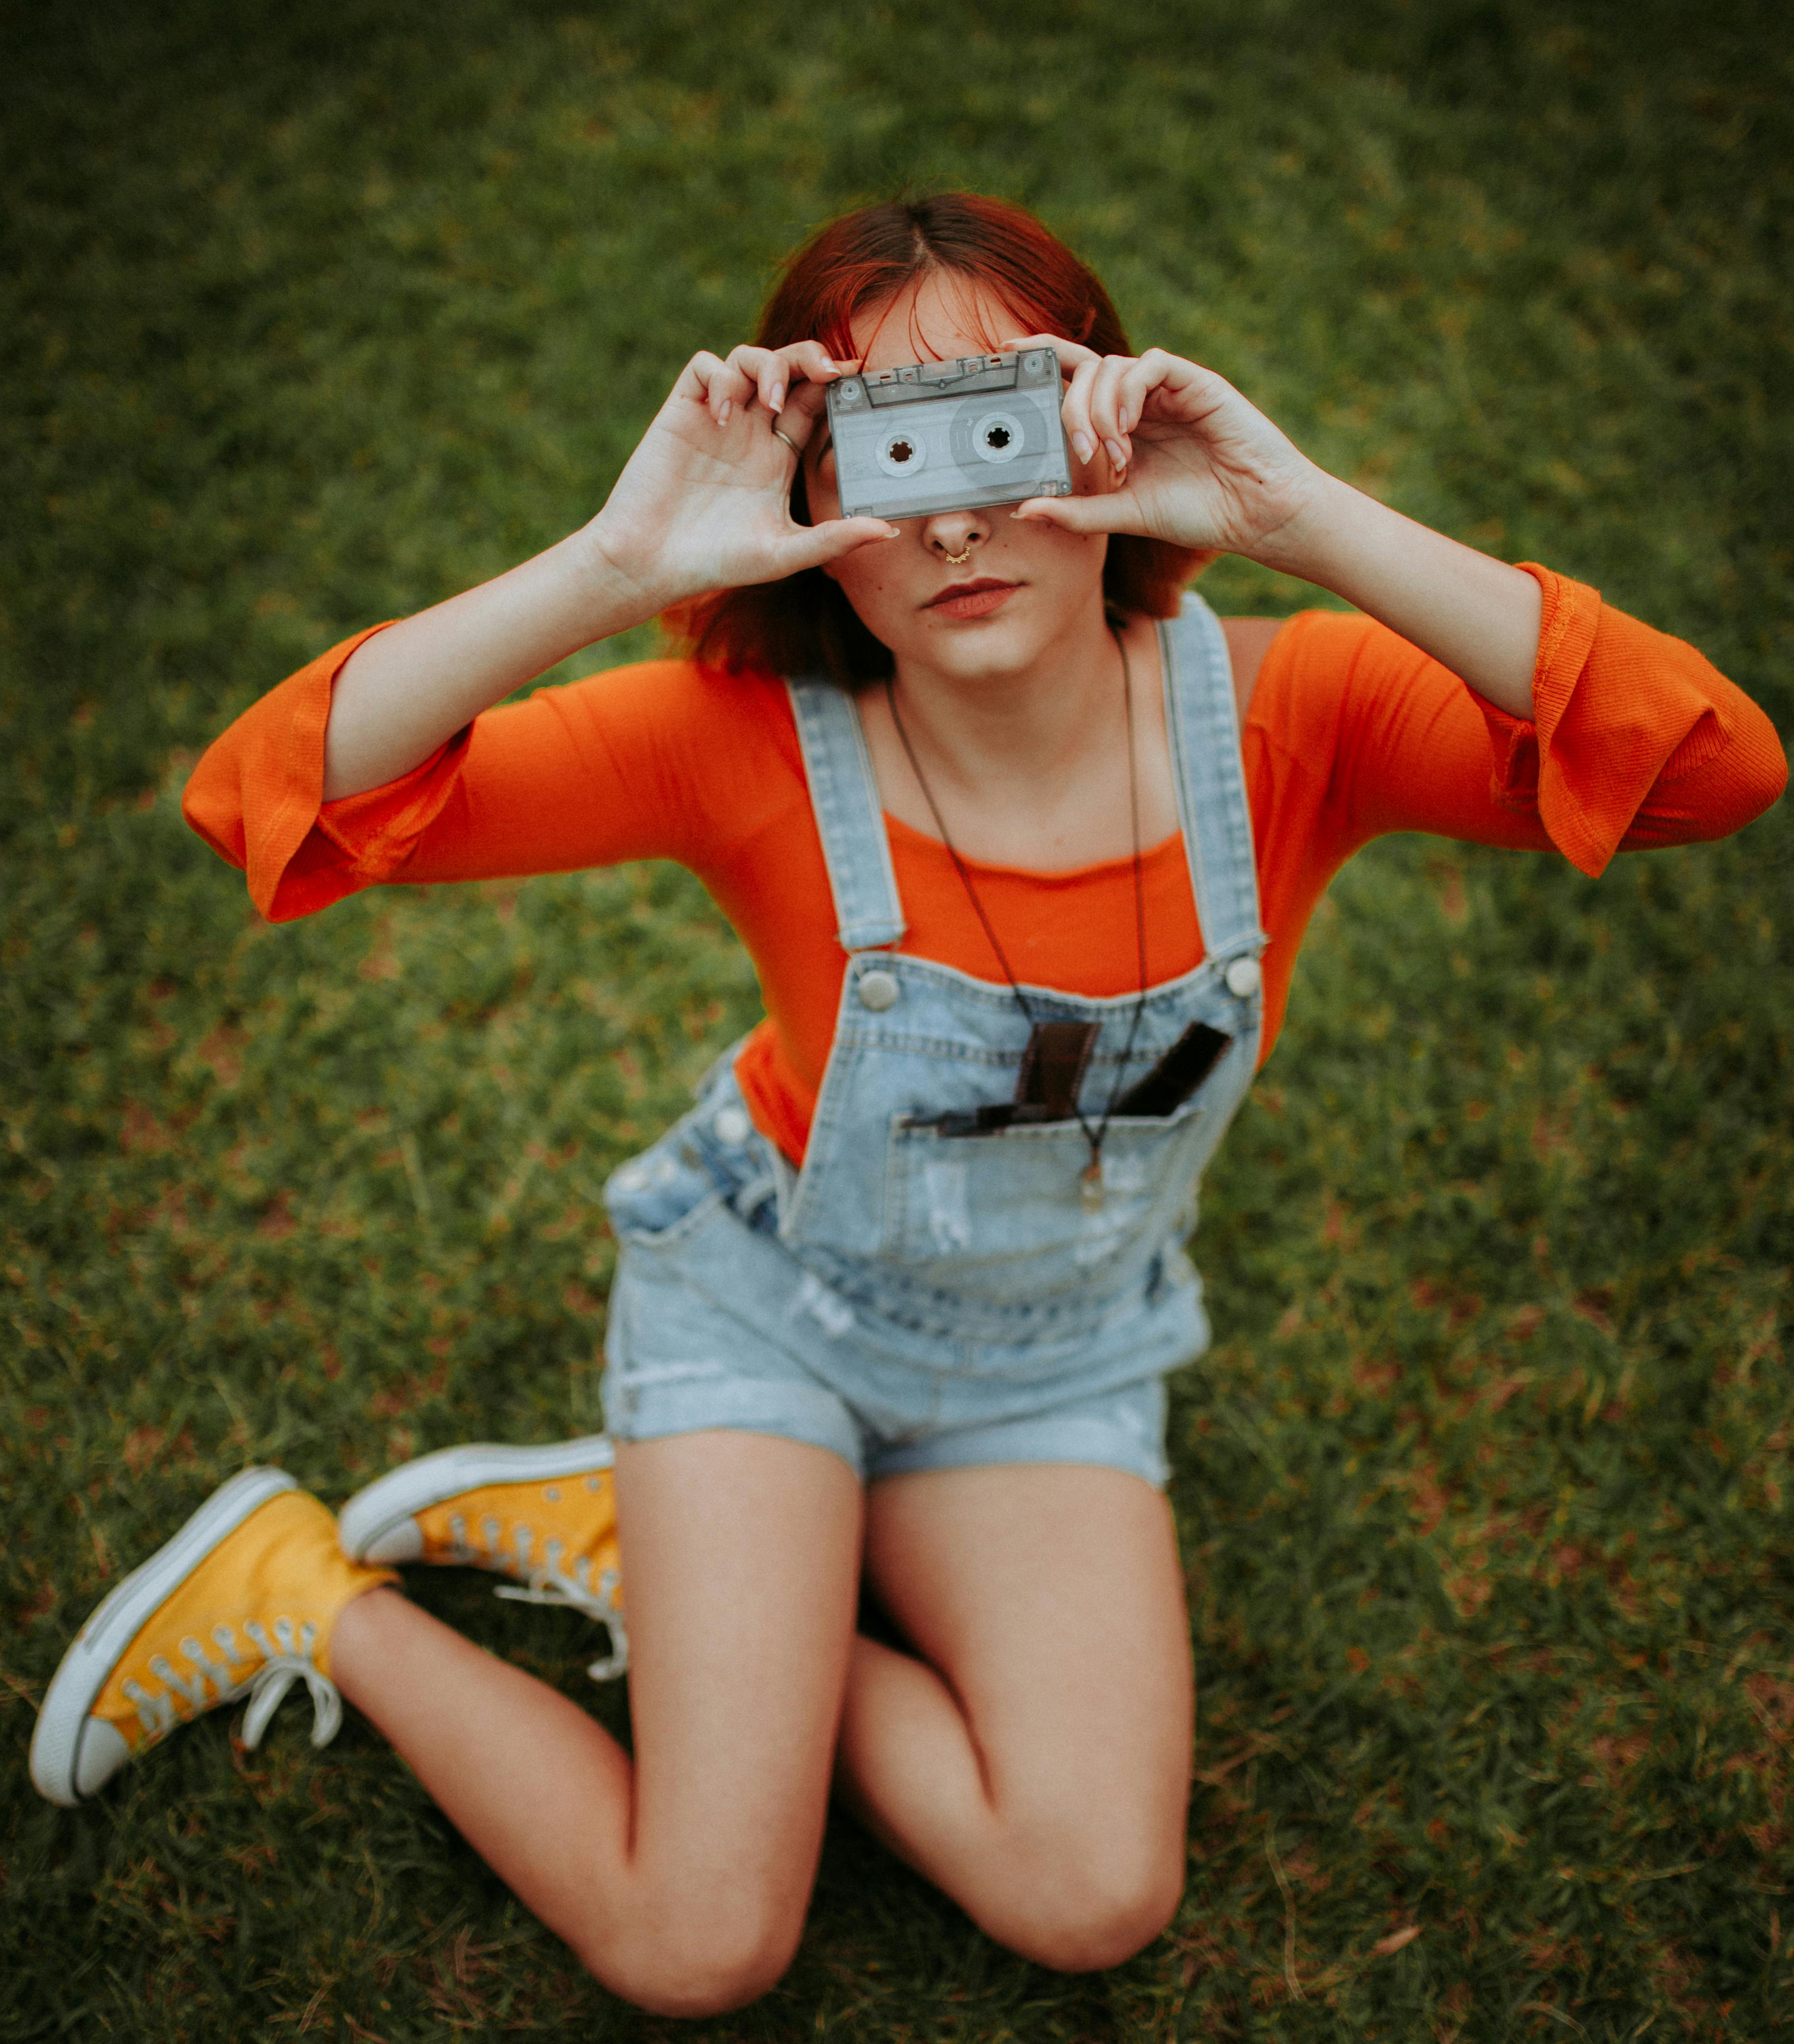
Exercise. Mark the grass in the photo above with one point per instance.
(315, 314)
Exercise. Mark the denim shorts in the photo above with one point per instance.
(715, 1322)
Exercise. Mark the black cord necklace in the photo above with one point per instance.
(1090, 1184)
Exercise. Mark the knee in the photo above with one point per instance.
(1096, 1904)
(1109, 1925)
(704, 1962)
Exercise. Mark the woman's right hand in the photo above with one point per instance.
(705, 501)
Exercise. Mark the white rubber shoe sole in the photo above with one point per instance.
(72, 1754)
(378, 1525)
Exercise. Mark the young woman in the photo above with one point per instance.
(897, 1300)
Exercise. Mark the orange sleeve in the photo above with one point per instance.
(1636, 740)
(619, 766)
(255, 794)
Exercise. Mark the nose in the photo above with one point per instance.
(952, 535)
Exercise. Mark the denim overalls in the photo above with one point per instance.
(917, 1296)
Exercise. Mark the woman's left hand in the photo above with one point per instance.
(1192, 461)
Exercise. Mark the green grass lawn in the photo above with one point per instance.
(314, 314)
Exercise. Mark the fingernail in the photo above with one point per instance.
(777, 400)
(1115, 452)
(1080, 446)
(722, 413)
(1124, 420)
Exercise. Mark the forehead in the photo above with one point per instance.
(939, 317)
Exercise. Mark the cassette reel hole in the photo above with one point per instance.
(998, 436)
(902, 454)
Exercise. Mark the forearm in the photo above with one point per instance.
(406, 690)
(1472, 613)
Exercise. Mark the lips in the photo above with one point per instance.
(977, 598)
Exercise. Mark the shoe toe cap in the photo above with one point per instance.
(101, 1753)
(68, 1770)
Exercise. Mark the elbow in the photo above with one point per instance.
(1736, 782)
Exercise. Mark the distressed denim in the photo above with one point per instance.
(914, 1297)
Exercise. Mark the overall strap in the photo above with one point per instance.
(1203, 722)
(844, 796)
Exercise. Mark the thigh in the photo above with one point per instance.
(741, 1559)
(1049, 1597)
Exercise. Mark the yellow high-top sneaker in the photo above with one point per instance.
(546, 1516)
(240, 1602)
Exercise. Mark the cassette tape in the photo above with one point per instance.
(930, 437)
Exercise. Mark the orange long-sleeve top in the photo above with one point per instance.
(1636, 741)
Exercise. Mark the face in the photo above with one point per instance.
(1023, 587)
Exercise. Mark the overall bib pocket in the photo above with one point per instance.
(1002, 1211)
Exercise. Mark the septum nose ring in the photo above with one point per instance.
(958, 560)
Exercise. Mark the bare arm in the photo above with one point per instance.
(1473, 613)
(703, 503)
(402, 692)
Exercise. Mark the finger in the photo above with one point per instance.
(694, 378)
(802, 408)
(773, 371)
(755, 366)
(714, 384)
(1194, 392)
(729, 388)
(1072, 354)
(1109, 511)
(810, 546)
(1168, 376)
(767, 372)
(810, 359)
(1075, 411)
(1105, 408)
(808, 364)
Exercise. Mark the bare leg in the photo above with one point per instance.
(680, 1878)
(1036, 1765)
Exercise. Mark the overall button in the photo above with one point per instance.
(1243, 977)
(877, 991)
(731, 1126)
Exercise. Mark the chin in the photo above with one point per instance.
(990, 645)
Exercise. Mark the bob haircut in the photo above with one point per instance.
(804, 624)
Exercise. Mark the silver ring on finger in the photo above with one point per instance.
(780, 436)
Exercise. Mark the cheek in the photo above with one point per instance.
(820, 493)
(867, 578)
(869, 584)
(1066, 560)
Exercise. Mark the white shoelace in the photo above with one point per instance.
(545, 1581)
(286, 1658)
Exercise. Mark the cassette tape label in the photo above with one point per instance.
(930, 436)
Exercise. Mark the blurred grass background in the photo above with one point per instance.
(316, 313)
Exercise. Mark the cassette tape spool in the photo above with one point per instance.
(929, 436)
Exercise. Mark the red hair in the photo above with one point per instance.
(804, 624)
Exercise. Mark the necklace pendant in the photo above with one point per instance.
(1090, 1186)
